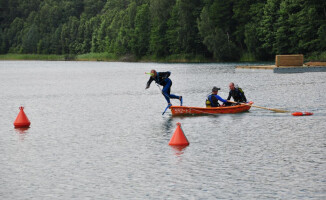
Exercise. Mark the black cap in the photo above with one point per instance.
(215, 89)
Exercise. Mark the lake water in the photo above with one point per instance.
(96, 133)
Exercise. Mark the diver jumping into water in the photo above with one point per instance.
(162, 78)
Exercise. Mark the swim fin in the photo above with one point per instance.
(167, 107)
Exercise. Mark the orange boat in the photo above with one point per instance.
(187, 110)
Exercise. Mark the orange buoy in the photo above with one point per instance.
(178, 138)
(302, 113)
(22, 120)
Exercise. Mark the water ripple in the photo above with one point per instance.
(97, 134)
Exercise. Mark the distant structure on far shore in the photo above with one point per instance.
(290, 64)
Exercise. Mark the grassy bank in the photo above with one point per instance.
(176, 58)
(106, 57)
(97, 57)
(67, 57)
(317, 56)
(248, 57)
(31, 57)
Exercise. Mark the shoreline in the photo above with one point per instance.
(106, 57)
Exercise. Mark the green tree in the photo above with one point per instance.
(216, 33)
(14, 34)
(212, 28)
(160, 14)
(93, 7)
(183, 34)
(241, 14)
(30, 40)
(140, 42)
(172, 34)
(307, 19)
(282, 44)
(267, 27)
(251, 39)
(3, 43)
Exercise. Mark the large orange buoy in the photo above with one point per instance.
(178, 138)
(302, 113)
(22, 120)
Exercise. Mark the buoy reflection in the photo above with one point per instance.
(179, 150)
(21, 130)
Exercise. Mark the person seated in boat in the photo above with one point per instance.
(237, 94)
(212, 100)
(162, 78)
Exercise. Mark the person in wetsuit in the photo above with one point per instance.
(236, 93)
(162, 78)
(214, 98)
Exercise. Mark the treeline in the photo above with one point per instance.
(225, 30)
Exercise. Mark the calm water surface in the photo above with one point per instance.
(96, 133)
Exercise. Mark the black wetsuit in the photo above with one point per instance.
(159, 79)
(162, 78)
(237, 95)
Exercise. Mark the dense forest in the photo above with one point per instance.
(223, 30)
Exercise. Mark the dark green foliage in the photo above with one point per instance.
(160, 14)
(141, 34)
(30, 40)
(218, 29)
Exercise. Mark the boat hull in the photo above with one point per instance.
(187, 110)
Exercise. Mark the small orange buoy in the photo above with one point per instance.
(22, 120)
(178, 138)
(302, 113)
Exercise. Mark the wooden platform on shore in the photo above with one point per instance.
(306, 65)
(283, 70)
(315, 64)
(289, 64)
(312, 67)
(255, 67)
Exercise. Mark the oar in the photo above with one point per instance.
(272, 109)
(278, 110)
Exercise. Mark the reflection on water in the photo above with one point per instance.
(98, 134)
(168, 125)
(179, 150)
(22, 132)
